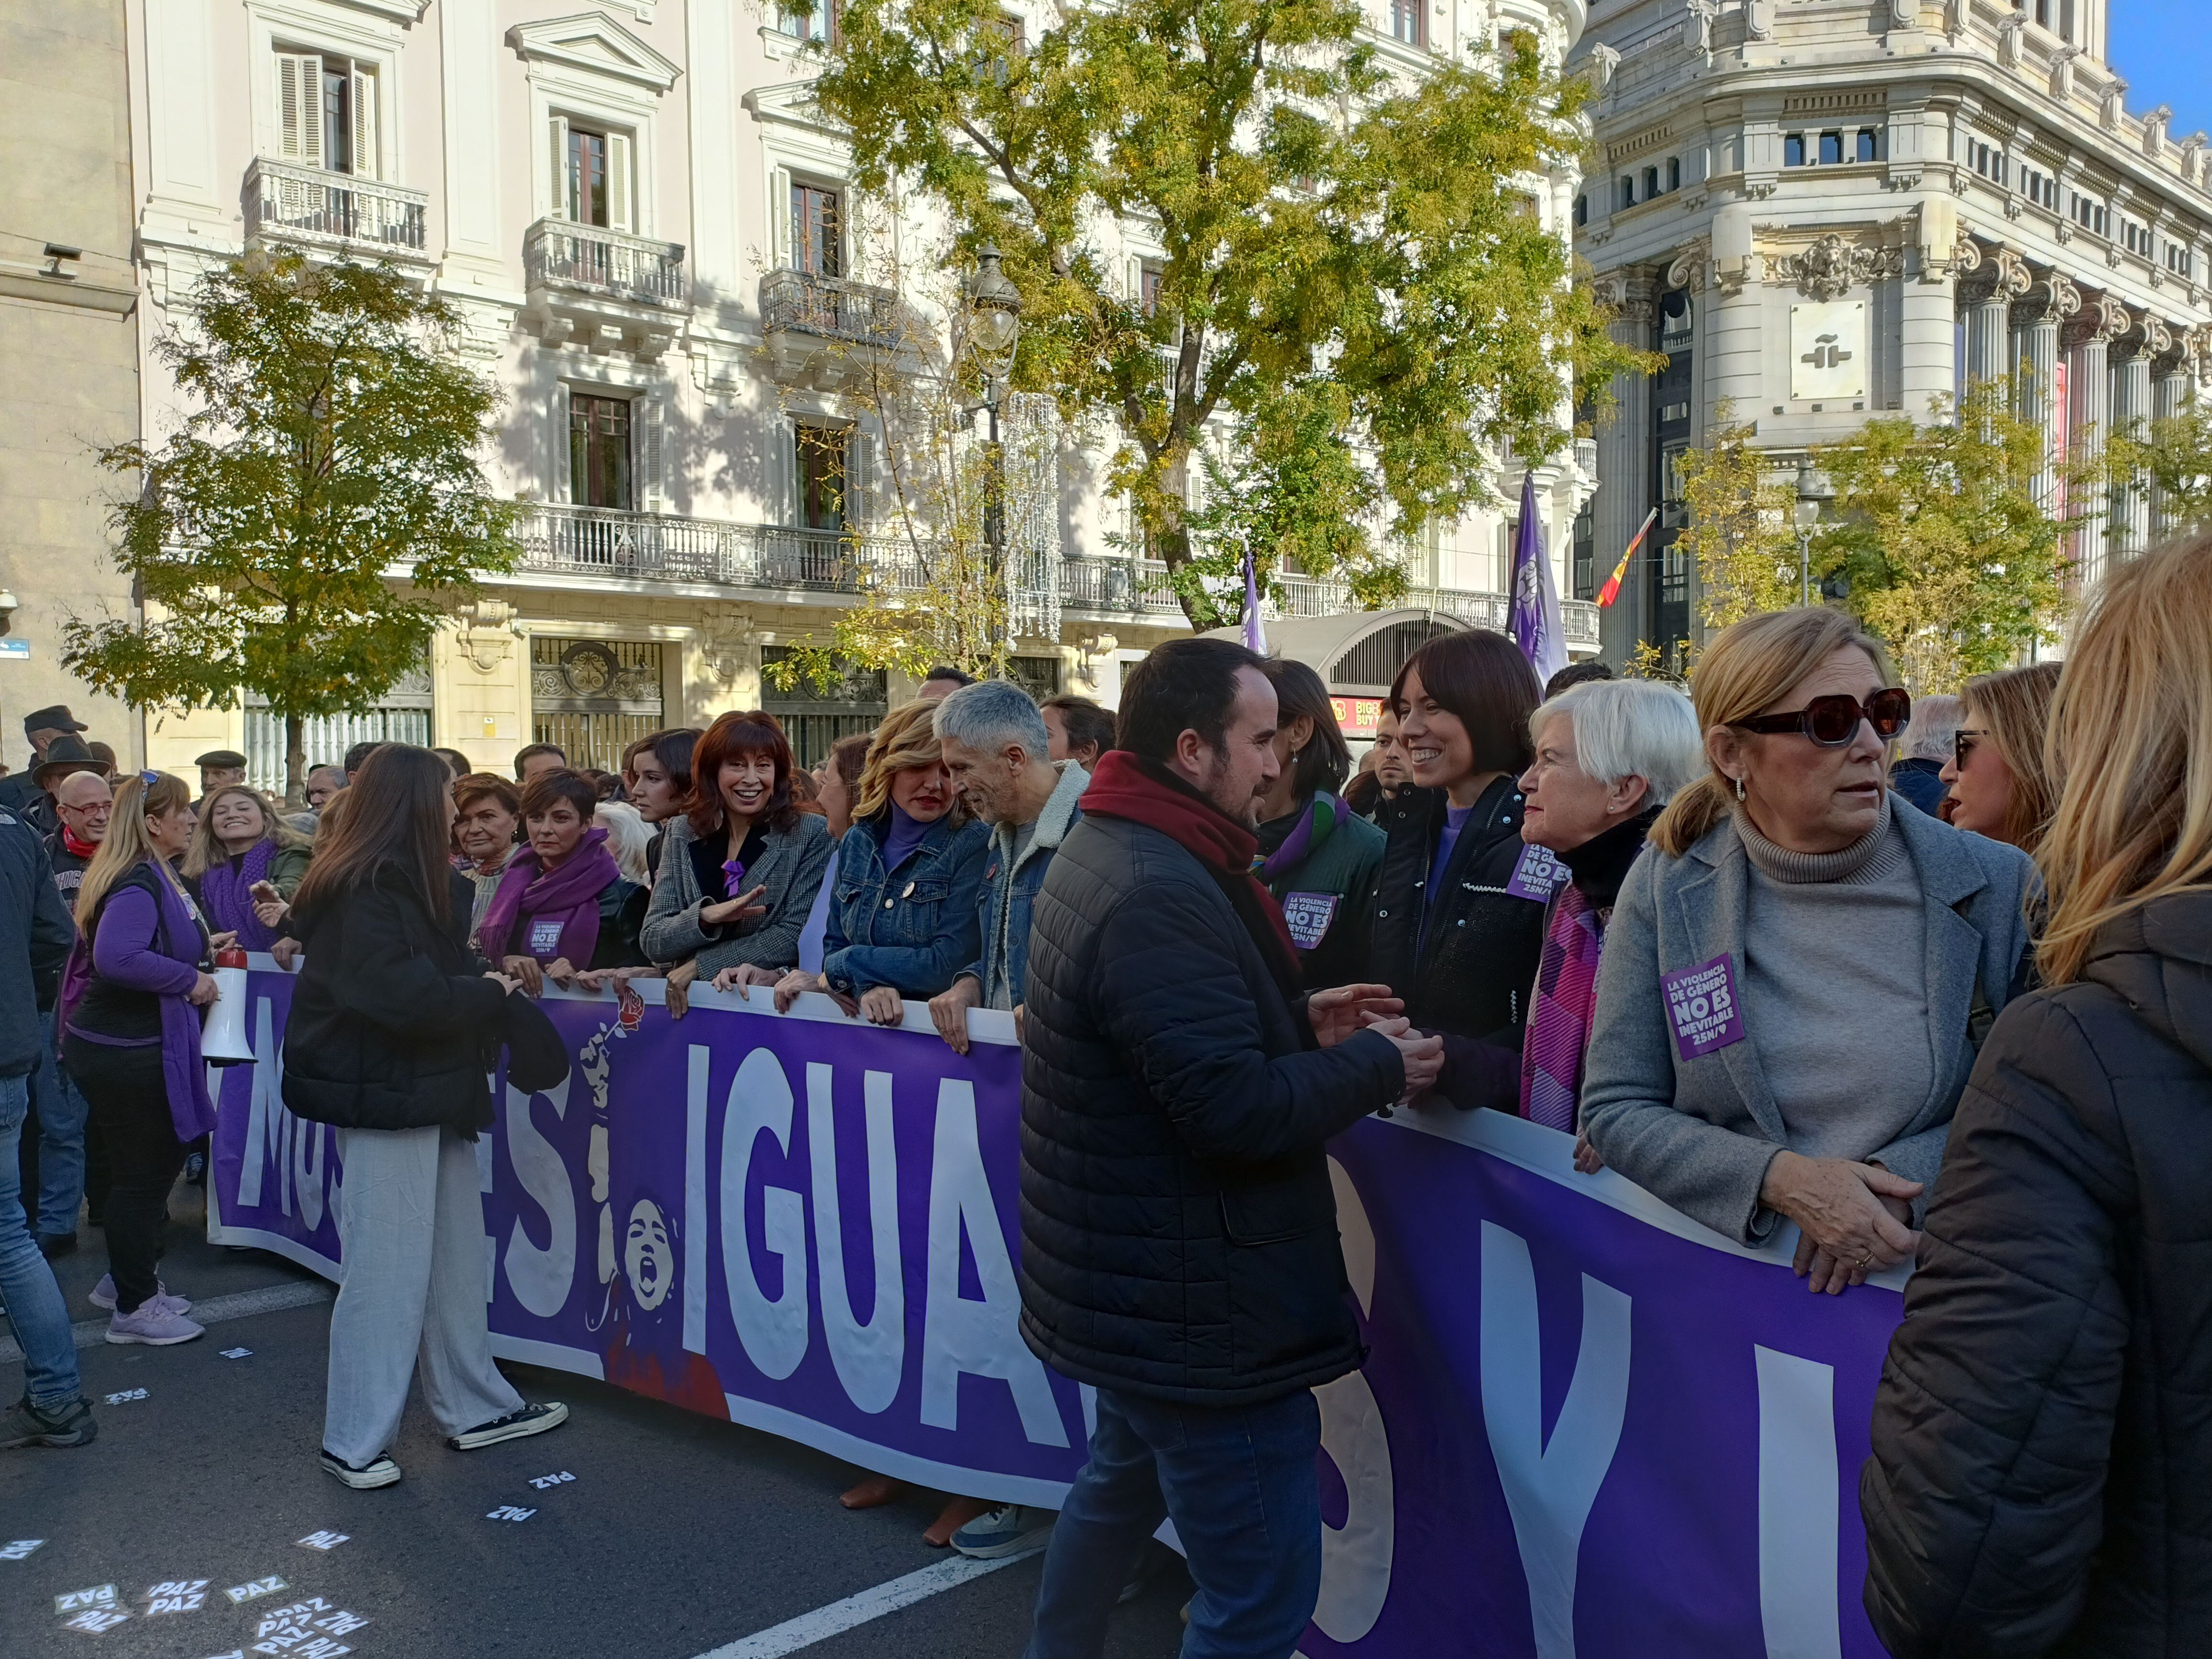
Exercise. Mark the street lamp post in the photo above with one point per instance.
(1814, 491)
(994, 328)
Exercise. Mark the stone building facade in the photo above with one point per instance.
(664, 265)
(1827, 210)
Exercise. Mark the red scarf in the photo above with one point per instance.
(77, 849)
(1143, 792)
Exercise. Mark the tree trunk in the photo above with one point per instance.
(1173, 537)
(295, 761)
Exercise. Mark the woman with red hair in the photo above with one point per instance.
(742, 864)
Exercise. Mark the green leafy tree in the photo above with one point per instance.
(1939, 538)
(1739, 533)
(2169, 462)
(1338, 247)
(332, 439)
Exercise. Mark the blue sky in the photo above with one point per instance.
(2163, 50)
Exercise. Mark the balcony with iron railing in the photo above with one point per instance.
(591, 259)
(602, 544)
(334, 212)
(826, 331)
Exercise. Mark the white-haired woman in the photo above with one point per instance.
(1795, 978)
(627, 839)
(1610, 754)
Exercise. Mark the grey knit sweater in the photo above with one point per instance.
(1835, 993)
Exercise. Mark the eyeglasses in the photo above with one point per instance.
(1833, 721)
(1962, 745)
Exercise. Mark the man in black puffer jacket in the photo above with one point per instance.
(1179, 1243)
(2041, 1481)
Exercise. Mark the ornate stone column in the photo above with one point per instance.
(2170, 376)
(2087, 341)
(2130, 357)
(1625, 495)
(2037, 317)
(1987, 288)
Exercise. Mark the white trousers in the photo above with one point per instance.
(411, 1226)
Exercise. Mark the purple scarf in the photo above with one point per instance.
(227, 893)
(568, 898)
(184, 1073)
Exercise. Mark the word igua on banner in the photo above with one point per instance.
(1585, 1424)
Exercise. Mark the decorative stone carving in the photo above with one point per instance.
(2062, 71)
(1687, 268)
(1702, 16)
(1957, 14)
(2111, 104)
(2051, 298)
(1758, 19)
(726, 646)
(2193, 157)
(1602, 61)
(2154, 132)
(487, 632)
(1832, 267)
(1905, 14)
(2009, 29)
(2099, 322)
(1965, 252)
(2014, 278)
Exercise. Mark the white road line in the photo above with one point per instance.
(272, 1298)
(823, 1622)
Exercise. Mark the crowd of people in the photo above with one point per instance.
(1923, 979)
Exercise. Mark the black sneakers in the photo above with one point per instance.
(27, 1425)
(531, 1419)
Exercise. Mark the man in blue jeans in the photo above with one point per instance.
(35, 935)
(1179, 1244)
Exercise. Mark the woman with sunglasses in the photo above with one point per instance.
(1798, 974)
(1997, 784)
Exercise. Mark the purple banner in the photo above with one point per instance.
(1584, 1420)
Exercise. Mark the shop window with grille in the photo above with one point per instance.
(1038, 676)
(403, 715)
(594, 698)
(814, 717)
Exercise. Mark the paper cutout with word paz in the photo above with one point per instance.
(20, 1549)
(96, 1621)
(127, 1395)
(323, 1541)
(543, 1482)
(256, 1590)
(176, 1595)
(100, 1595)
(236, 1353)
(509, 1512)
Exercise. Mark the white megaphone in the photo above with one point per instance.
(222, 1033)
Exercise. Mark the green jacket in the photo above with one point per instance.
(1324, 897)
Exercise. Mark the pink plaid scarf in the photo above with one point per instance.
(1567, 1001)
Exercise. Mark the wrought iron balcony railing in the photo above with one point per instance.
(334, 210)
(559, 253)
(831, 307)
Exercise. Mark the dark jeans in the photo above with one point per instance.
(131, 1105)
(1243, 1489)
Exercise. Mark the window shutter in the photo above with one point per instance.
(780, 210)
(559, 208)
(860, 478)
(564, 470)
(1133, 281)
(652, 492)
(620, 212)
(364, 124)
(300, 106)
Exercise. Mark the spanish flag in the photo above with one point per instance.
(1611, 590)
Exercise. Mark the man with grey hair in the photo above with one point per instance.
(997, 749)
(1924, 748)
(1609, 756)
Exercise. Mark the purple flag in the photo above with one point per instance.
(1534, 622)
(1256, 632)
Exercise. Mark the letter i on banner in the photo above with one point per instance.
(1797, 1493)
(1549, 1489)
(694, 1198)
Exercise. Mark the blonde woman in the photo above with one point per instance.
(2041, 1452)
(1795, 971)
(130, 1025)
(244, 862)
(1995, 775)
(902, 909)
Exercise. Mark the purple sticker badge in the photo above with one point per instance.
(1539, 875)
(1309, 915)
(1702, 1003)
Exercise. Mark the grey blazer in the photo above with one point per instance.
(1700, 1132)
(790, 869)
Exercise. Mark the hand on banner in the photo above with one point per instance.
(948, 1011)
(204, 991)
(562, 972)
(288, 952)
(596, 980)
(1346, 1010)
(679, 989)
(1586, 1158)
(1842, 1209)
(507, 983)
(788, 989)
(744, 907)
(526, 972)
(222, 941)
(880, 1004)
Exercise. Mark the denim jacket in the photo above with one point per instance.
(1010, 884)
(911, 928)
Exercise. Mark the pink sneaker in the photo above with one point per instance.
(102, 1295)
(153, 1324)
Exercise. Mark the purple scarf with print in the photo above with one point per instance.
(549, 913)
(227, 894)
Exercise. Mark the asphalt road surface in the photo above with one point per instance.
(675, 1537)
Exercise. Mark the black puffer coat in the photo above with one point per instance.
(393, 1024)
(1469, 973)
(2041, 1480)
(1178, 1229)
